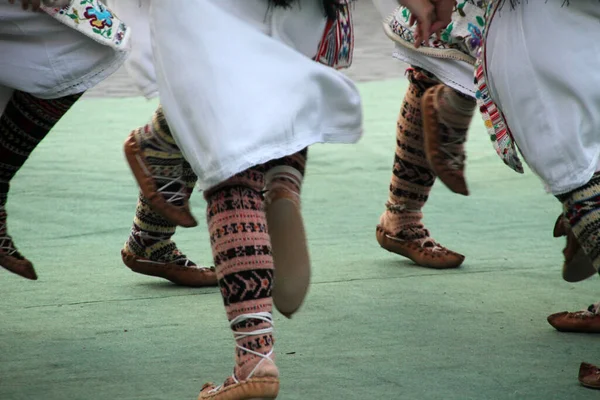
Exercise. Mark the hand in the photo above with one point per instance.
(429, 21)
(423, 13)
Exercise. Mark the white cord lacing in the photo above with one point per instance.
(7, 246)
(261, 316)
(426, 243)
(156, 237)
(170, 196)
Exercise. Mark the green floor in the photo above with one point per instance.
(374, 325)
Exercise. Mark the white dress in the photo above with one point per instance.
(238, 85)
(543, 63)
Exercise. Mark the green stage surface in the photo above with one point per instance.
(374, 325)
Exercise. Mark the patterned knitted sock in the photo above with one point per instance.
(151, 234)
(24, 124)
(164, 157)
(286, 174)
(189, 178)
(244, 264)
(582, 211)
(150, 237)
(412, 177)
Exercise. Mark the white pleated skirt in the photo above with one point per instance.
(238, 85)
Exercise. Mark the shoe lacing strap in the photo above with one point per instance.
(143, 235)
(261, 316)
(7, 245)
(170, 196)
(400, 207)
(427, 242)
(431, 245)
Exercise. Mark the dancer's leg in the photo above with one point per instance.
(157, 164)
(400, 229)
(288, 238)
(244, 264)
(25, 122)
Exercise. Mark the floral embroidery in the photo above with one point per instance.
(73, 14)
(93, 19)
(99, 18)
(447, 34)
(475, 39)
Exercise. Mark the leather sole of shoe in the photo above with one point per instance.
(590, 386)
(579, 268)
(290, 255)
(19, 267)
(555, 321)
(253, 389)
(181, 216)
(396, 247)
(585, 371)
(181, 276)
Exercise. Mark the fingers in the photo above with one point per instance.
(424, 13)
(423, 29)
(422, 32)
(438, 26)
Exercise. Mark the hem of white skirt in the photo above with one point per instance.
(575, 179)
(150, 94)
(440, 73)
(149, 90)
(89, 80)
(263, 155)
